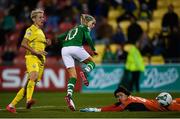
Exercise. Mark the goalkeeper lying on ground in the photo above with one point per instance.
(133, 103)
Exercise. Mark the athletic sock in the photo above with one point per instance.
(70, 87)
(89, 67)
(18, 97)
(30, 89)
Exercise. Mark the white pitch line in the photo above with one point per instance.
(35, 107)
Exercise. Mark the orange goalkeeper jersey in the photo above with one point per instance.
(134, 103)
(174, 106)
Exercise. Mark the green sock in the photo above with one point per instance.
(71, 84)
(90, 66)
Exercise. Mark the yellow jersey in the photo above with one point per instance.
(36, 39)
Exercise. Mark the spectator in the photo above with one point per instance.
(102, 8)
(134, 31)
(104, 32)
(25, 14)
(9, 54)
(158, 45)
(173, 49)
(65, 25)
(170, 19)
(92, 6)
(152, 5)
(116, 3)
(108, 56)
(9, 22)
(144, 13)
(144, 44)
(120, 55)
(84, 7)
(118, 37)
(129, 7)
(146, 8)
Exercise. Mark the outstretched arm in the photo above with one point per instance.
(110, 108)
(60, 37)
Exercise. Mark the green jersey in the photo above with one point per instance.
(75, 37)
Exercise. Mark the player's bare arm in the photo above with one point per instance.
(48, 42)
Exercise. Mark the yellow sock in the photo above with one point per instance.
(18, 97)
(30, 89)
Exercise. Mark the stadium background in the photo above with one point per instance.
(159, 47)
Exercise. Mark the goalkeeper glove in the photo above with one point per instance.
(90, 110)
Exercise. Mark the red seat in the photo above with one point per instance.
(50, 61)
(19, 60)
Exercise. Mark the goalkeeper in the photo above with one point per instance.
(127, 102)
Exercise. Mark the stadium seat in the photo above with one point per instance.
(163, 3)
(113, 23)
(137, 3)
(19, 60)
(146, 60)
(51, 60)
(157, 60)
(100, 49)
(176, 3)
(177, 10)
(0, 61)
(113, 13)
(143, 25)
(158, 14)
(1, 50)
(124, 25)
(155, 27)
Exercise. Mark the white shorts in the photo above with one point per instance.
(70, 53)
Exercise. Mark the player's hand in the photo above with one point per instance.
(48, 41)
(43, 52)
(95, 53)
(90, 110)
(40, 53)
(55, 40)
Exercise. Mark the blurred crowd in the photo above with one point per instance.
(62, 15)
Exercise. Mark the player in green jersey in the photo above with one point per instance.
(72, 41)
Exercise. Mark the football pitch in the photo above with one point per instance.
(52, 105)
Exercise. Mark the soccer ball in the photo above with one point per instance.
(164, 99)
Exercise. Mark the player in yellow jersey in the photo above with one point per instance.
(34, 42)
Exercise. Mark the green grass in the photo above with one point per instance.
(56, 107)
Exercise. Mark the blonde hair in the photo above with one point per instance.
(35, 12)
(85, 18)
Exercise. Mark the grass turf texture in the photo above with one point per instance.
(52, 104)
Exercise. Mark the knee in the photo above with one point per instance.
(71, 75)
(33, 76)
(72, 72)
